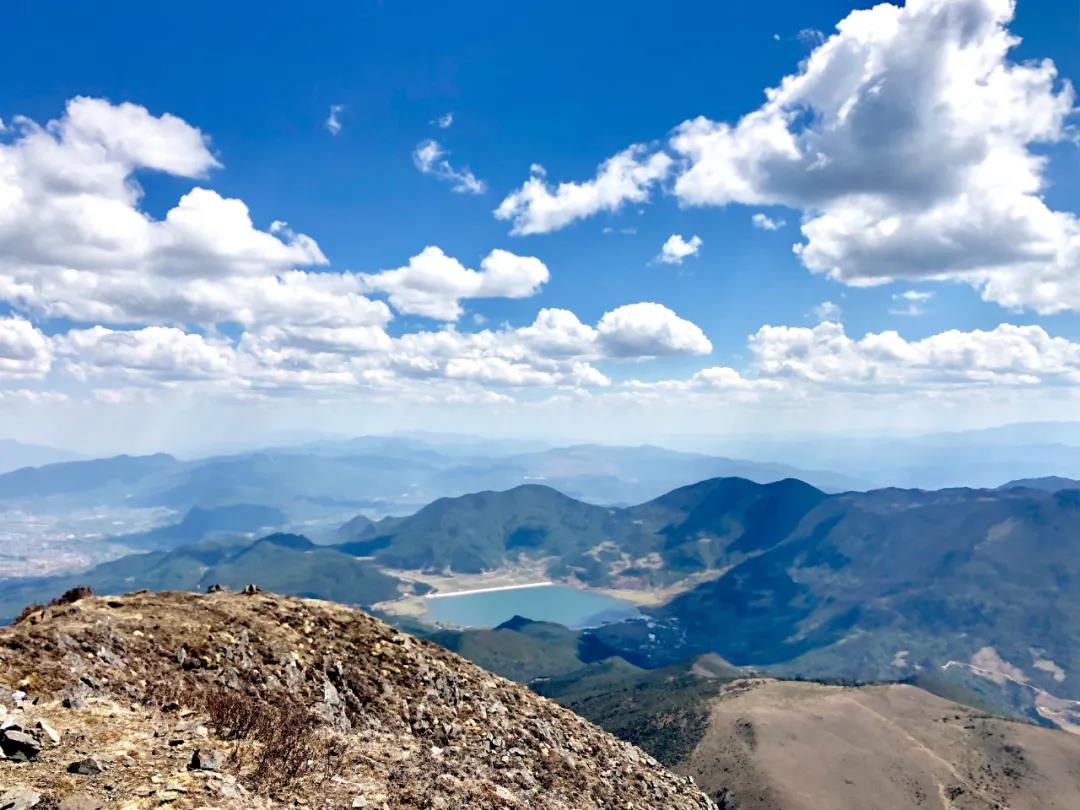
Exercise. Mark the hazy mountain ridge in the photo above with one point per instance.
(15, 455)
(976, 458)
(1047, 483)
(376, 469)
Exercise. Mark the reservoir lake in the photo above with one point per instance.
(549, 603)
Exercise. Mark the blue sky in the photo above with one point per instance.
(567, 86)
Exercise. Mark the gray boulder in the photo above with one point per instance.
(86, 767)
(206, 759)
(19, 799)
(19, 745)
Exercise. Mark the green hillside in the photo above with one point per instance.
(708, 525)
(888, 584)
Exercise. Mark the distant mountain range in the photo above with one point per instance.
(384, 475)
(973, 458)
(15, 454)
(1049, 483)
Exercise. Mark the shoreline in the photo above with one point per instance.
(492, 589)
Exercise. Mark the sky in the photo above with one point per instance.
(612, 221)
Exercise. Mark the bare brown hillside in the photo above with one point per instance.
(782, 745)
(256, 700)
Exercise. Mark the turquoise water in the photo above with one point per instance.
(548, 603)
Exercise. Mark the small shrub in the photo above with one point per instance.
(235, 716)
(68, 597)
(275, 744)
(72, 595)
(28, 611)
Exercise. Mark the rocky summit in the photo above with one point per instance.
(255, 700)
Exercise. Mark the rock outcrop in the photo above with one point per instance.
(257, 700)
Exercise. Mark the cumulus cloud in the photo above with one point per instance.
(24, 349)
(444, 121)
(649, 330)
(1006, 355)
(204, 298)
(433, 284)
(911, 141)
(559, 333)
(628, 177)
(766, 223)
(905, 139)
(74, 242)
(675, 249)
(155, 352)
(431, 158)
(333, 120)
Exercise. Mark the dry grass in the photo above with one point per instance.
(274, 745)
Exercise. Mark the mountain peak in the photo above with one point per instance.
(256, 700)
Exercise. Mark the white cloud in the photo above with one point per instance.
(910, 303)
(827, 311)
(507, 357)
(433, 284)
(203, 303)
(430, 158)
(24, 350)
(709, 381)
(444, 121)
(559, 333)
(766, 223)
(154, 352)
(95, 139)
(497, 371)
(675, 249)
(649, 330)
(333, 120)
(74, 242)
(905, 139)
(1006, 355)
(33, 396)
(345, 340)
(628, 177)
